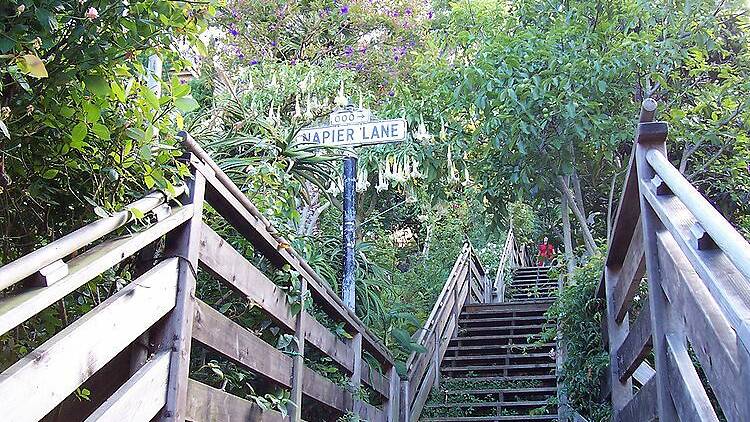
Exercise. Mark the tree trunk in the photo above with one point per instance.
(587, 237)
(567, 238)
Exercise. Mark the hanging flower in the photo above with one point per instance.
(92, 14)
(344, 10)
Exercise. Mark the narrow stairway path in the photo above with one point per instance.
(494, 370)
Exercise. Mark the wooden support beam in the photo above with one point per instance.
(630, 274)
(298, 361)
(642, 407)
(141, 397)
(176, 335)
(237, 343)
(208, 404)
(636, 346)
(61, 364)
(687, 393)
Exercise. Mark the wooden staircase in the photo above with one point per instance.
(494, 368)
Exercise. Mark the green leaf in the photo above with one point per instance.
(186, 104)
(78, 133)
(149, 181)
(138, 214)
(93, 113)
(97, 85)
(602, 86)
(33, 66)
(101, 131)
(47, 19)
(151, 98)
(50, 174)
(118, 91)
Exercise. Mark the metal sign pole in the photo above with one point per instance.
(350, 193)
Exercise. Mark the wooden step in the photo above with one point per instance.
(492, 418)
(535, 328)
(514, 404)
(487, 347)
(495, 338)
(520, 370)
(549, 391)
(498, 357)
(542, 380)
(501, 320)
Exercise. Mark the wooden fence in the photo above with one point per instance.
(512, 257)
(159, 310)
(467, 283)
(682, 354)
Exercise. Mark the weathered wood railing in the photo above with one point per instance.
(511, 257)
(466, 283)
(160, 305)
(697, 317)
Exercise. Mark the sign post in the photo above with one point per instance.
(351, 128)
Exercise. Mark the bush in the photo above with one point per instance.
(578, 313)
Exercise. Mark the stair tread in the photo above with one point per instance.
(500, 346)
(465, 368)
(501, 356)
(505, 327)
(491, 337)
(505, 390)
(490, 404)
(492, 418)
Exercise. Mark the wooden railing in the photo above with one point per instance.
(159, 310)
(512, 257)
(466, 283)
(697, 316)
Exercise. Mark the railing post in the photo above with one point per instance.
(621, 392)
(298, 363)
(176, 334)
(404, 402)
(661, 323)
(436, 360)
(355, 381)
(392, 406)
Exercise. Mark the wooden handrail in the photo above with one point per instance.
(698, 273)
(721, 231)
(27, 265)
(509, 251)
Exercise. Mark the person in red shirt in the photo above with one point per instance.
(546, 252)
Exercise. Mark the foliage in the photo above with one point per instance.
(82, 130)
(578, 314)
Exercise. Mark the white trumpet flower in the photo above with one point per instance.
(443, 132)
(341, 99)
(308, 112)
(453, 171)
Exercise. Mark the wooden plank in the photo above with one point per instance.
(371, 413)
(17, 308)
(322, 390)
(356, 378)
(653, 137)
(327, 342)
(629, 275)
(711, 336)
(636, 346)
(175, 335)
(232, 340)
(642, 407)
(375, 380)
(643, 373)
(298, 360)
(56, 368)
(391, 407)
(238, 210)
(689, 397)
(226, 263)
(208, 404)
(141, 397)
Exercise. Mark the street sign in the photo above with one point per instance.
(355, 135)
(348, 117)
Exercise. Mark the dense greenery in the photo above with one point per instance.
(578, 314)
